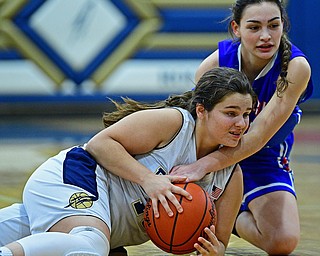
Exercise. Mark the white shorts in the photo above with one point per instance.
(50, 196)
(14, 224)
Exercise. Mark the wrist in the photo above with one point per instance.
(145, 178)
(222, 249)
(207, 164)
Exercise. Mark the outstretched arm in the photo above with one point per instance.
(266, 124)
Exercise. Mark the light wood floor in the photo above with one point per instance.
(25, 144)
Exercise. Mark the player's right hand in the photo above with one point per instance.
(161, 188)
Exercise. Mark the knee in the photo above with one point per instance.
(94, 242)
(282, 244)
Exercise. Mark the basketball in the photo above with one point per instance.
(177, 234)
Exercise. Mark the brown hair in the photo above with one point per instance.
(212, 88)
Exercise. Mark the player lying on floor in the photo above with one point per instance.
(90, 198)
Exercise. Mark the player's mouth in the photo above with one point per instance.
(265, 47)
(236, 134)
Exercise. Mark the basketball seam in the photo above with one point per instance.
(175, 220)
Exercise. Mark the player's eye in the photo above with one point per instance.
(274, 25)
(253, 27)
(231, 114)
(246, 115)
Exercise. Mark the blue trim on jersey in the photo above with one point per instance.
(260, 191)
(79, 169)
(286, 129)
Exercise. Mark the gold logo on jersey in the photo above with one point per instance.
(81, 200)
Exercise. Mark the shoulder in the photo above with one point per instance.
(208, 63)
(154, 118)
(172, 122)
(300, 62)
(299, 77)
(299, 72)
(163, 114)
(162, 123)
(185, 114)
(226, 53)
(299, 69)
(169, 117)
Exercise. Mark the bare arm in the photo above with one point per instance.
(266, 124)
(228, 204)
(139, 133)
(208, 63)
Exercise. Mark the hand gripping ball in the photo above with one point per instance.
(178, 234)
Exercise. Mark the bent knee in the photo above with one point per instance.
(282, 245)
(95, 243)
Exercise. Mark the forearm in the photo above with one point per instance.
(226, 156)
(222, 158)
(260, 132)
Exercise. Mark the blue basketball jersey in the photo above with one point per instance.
(265, 85)
(268, 170)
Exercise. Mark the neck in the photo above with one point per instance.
(252, 66)
(204, 146)
(203, 152)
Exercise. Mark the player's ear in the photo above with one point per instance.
(200, 110)
(235, 28)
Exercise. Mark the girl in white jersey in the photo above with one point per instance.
(90, 198)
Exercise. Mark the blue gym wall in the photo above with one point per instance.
(305, 27)
(57, 52)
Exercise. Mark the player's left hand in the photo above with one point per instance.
(210, 248)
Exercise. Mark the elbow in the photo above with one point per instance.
(91, 148)
(99, 147)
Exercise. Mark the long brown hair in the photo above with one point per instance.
(211, 89)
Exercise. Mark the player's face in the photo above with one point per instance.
(260, 30)
(227, 121)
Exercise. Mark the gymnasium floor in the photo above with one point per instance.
(27, 142)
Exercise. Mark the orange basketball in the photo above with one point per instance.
(178, 234)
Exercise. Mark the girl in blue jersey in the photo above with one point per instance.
(280, 75)
(89, 199)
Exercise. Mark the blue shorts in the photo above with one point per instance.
(267, 171)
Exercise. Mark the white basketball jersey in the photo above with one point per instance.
(128, 199)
